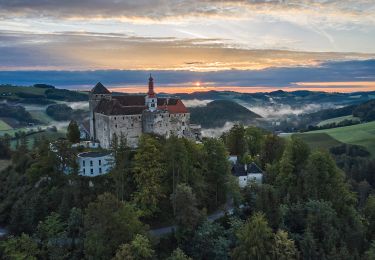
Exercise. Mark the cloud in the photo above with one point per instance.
(95, 51)
(172, 81)
(196, 102)
(280, 110)
(160, 10)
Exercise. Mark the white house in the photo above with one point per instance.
(247, 173)
(92, 164)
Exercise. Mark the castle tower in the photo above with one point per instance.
(98, 93)
(151, 99)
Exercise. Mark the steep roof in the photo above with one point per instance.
(253, 168)
(238, 170)
(100, 89)
(135, 104)
(173, 105)
(130, 100)
(114, 107)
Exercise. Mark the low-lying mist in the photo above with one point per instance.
(218, 131)
(196, 102)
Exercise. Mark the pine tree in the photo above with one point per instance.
(73, 133)
(149, 171)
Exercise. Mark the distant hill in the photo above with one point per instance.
(364, 111)
(40, 94)
(294, 99)
(218, 112)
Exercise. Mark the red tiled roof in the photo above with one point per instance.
(135, 104)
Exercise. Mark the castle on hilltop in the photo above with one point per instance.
(133, 115)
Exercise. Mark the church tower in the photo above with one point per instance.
(151, 99)
(98, 93)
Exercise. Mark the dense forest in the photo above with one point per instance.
(311, 205)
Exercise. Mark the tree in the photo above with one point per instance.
(187, 213)
(217, 171)
(235, 140)
(254, 138)
(22, 247)
(73, 133)
(177, 163)
(108, 223)
(138, 249)
(178, 254)
(210, 242)
(289, 180)
(51, 232)
(369, 213)
(255, 240)
(268, 202)
(370, 253)
(272, 149)
(149, 171)
(121, 172)
(75, 232)
(284, 248)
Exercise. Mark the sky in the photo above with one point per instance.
(241, 45)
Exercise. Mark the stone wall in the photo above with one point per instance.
(156, 122)
(130, 126)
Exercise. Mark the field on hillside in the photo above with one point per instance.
(4, 126)
(338, 120)
(29, 90)
(361, 134)
(318, 140)
(39, 136)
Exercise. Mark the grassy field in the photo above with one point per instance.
(361, 134)
(41, 116)
(319, 141)
(40, 136)
(4, 126)
(338, 120)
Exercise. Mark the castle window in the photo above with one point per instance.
(91, 171)
(83, 163)
(90, 163)
(115, 118)
(123, 118)
(132, 124)
(100, 170)
(84, 171)
(100, 162)
(116, 126)
(183, 123)
(139, 117)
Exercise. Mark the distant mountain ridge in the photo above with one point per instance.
(294, 98)
(218, 112)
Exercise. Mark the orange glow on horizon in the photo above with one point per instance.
(345, 87)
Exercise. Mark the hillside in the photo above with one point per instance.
(360, 134)
(217, 112)
(40, 94)
(294, 99)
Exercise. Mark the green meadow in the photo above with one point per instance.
(4, 126)
(338, 120)
(361, 134)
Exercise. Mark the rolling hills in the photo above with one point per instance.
(360, 134)
(218, 112)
